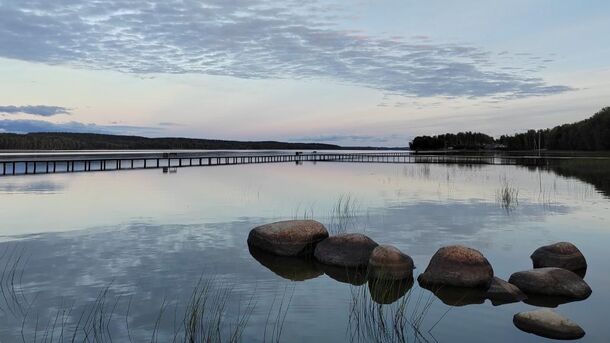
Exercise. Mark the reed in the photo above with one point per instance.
(12, 298)
(203, 317)
(343, 216)
(507, 195)
(399, 320)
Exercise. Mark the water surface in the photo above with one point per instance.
(136, 244)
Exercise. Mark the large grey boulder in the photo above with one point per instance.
(458, 266)
(549, 324)
(501, 292)
(387, 262)
(288, 238)
(345, 250)
(561, 255)
(551, 281)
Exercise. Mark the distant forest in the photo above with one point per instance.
(590, 134)
(90, 141)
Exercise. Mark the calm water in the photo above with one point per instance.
(126, 249)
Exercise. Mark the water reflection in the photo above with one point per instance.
(457, 296)
(592, 171)
(389, 291)
(290, 268)
(547, 300)
(352, 276)
(155, 236)
(16, 185)
(389, 313)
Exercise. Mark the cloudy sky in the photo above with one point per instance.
(362, 72)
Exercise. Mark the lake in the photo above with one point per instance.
(145, 256)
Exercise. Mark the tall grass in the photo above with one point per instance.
(303, 212)
(12, 297)
(205, 317)
(400, 321)
(507, 195)
(343, 216)
(274, 324)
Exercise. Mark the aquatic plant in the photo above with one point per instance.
(507, 196)
(382, 313)
(343, 215)
(276, 323)
(12, 298)
(205, 317)
(303, 213)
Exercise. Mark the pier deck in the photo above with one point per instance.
(41, 164)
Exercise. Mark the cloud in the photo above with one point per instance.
(38, 110)
(250, 39)
(24, 126)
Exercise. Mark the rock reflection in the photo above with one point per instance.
(457, 296)
(389, 291)
(352, 276)
(547, 300)
(291, 268)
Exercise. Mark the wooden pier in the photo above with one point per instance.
(27, 165)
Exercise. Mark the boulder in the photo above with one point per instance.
(549, 324)
(387, 262)
(288, 238)
(551, 281)
(561, 255)
(345, 250)
(458, 266)
(295, 268)
(501, 292)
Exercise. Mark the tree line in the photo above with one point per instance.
(90, 141)
(589, 134)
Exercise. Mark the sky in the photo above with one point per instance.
(363, 72)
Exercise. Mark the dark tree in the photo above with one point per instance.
(462, 140)
(589, 134)
(89, 141)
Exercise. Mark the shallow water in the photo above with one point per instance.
(144, 239)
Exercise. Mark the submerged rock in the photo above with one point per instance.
(288, 238)
(561, 255)
(458, 266)
(387, 262)
(551, 281)
(501, 292)
(549, 324)
(386, 291)
(295, 268)
(346, 250)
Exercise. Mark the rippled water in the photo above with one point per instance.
(126, 249)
